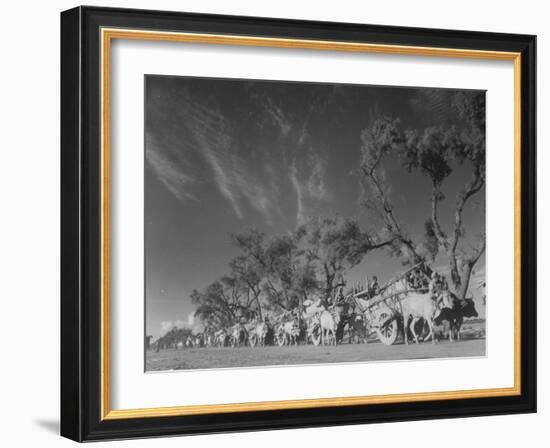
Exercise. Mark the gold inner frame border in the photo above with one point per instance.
(107, 36)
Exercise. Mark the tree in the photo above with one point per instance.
(222, 303)
(172, 337)
(248, 273)
(332, 246)
(379, 142)
(291, 278)
(432, 152)
(279, 268)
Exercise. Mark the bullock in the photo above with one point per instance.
(257, 333)
(220, 338)
(327, 325)
(199, 341)
(415, 307)
(239, 335)
(288, 333)
(261, 331)
(455, 314)
(356, 327)
(189, 342)
(210, 340)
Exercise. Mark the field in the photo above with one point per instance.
(205, 358)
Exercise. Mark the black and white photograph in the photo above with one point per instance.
(294, 223)
(282, 220)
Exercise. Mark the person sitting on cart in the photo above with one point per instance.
(340, 298)
(434, 286)
(374, 288)
(444, 284)
(438, 284)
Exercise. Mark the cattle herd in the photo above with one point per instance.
(314, 326)
(414, 314)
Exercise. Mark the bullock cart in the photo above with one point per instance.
(382, 308)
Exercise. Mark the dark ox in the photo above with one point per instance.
(356, 327)
(461, 309)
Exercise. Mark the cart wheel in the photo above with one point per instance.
(316, 335)
(388, 329)
(252, 340)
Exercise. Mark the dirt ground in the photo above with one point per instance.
(205, 358)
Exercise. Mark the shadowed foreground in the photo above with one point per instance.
(205, 358)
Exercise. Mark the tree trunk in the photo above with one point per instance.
(455, 275)
(465, 275)
(259, 303)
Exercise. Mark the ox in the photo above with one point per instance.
(416, 307)
(189, 342)
(199, 341)
(356, 327)
(288, 333)
(261, 330)
(210, 340)
(239, 335)
(327, 325)
(455, 314)
(220, 338)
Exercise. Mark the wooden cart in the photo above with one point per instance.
(382, 308)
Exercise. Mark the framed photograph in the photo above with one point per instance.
(276, 224)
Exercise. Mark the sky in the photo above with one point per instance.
(223, 156)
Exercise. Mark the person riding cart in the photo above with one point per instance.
(438, 285)
(374, 288)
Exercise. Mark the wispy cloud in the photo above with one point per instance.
(309, 185)
(303, 136)
(316, 183)
(207, 147)
(223, 178)
(300, 193)
(168, 172)
(277, 115)
(231, 173)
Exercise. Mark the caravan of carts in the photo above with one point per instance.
(359, 316)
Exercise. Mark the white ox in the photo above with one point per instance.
(210, 340)
(260, 331)
(316, 312)
(288, 333)
(416, 307)
(328, 325)
(238, 335)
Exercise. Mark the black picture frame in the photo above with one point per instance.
(81, 224)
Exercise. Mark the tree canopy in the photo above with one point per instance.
(433, 152)
(280, 272)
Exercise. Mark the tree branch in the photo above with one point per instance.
(441, 238)
(470, 190)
